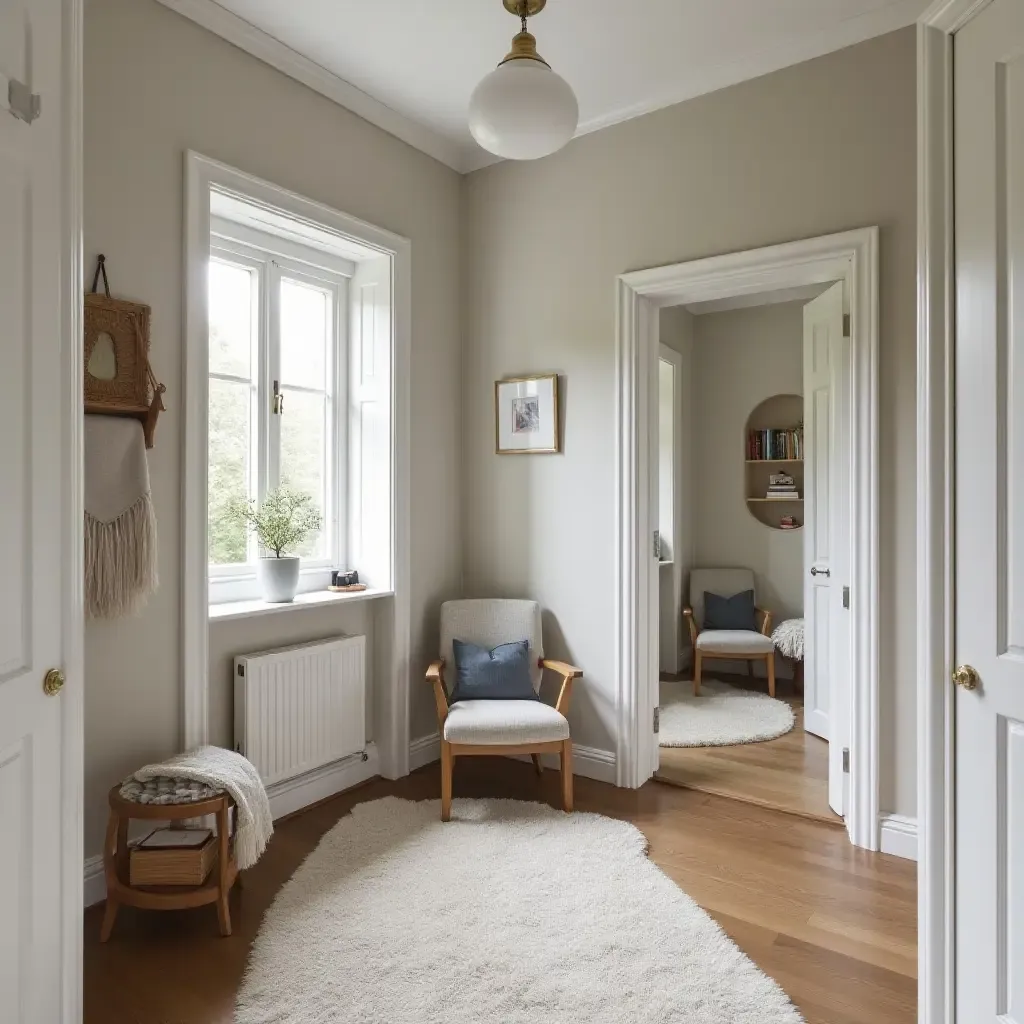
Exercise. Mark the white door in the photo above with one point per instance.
(824, 565)
(989, 515)
(38, 980)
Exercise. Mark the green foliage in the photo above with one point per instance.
(283, 520)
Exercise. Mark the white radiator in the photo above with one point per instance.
(299, 708)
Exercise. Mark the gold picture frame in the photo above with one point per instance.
(526, 416)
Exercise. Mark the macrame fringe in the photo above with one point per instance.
(120, 561)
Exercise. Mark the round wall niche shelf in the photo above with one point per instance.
(774, 462)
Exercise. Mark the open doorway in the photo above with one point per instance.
(752, 470)
(848, 649)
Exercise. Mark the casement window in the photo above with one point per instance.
(278, 360)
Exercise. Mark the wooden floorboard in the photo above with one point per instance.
(835, 926)
(787, 774)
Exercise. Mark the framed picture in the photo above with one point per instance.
(526, 416)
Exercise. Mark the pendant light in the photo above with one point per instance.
(523, 110)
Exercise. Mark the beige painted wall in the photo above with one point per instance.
(156, 85)
(821, 147)
(740, 358)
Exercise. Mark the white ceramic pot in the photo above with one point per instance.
(278, 578)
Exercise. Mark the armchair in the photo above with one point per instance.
(731, 644)
(500, 727)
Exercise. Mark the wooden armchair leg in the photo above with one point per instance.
(750, 668)
(537, 764)
(696, 672)
(446, 781)
(567, 776)
(770, 662)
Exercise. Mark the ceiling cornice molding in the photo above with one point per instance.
(259, 44)
(467, 158)
(878, 22)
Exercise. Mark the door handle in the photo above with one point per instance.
(966, 677)
(53, 682)
(815, 571)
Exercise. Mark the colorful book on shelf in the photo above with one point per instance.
(775, 444)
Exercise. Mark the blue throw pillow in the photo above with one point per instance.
(501, 674)
(736, 612)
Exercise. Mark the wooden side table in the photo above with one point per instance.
(166, 897)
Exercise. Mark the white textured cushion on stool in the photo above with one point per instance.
(500, 722)
(734, 641)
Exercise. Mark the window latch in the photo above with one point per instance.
(278, 406)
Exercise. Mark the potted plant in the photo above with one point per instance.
(282, 520)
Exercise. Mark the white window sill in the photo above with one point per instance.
(315, 599)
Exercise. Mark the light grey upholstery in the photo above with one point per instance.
(724, 582)
(734, 641)
(504, 722)
(488, 622)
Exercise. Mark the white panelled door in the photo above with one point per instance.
(989, 515)
(825, 564)
(35, 979)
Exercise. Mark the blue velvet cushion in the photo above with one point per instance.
(736, 612)
(501, 674)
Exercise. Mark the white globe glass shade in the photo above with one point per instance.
(523, 111)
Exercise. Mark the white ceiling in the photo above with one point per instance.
(410, 65)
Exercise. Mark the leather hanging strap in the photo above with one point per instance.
(101, 268)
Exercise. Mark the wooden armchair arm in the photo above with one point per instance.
(766, 622)
(568, 674)
(688, 615)
(435, 676)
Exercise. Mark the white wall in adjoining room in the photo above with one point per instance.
(740, 358)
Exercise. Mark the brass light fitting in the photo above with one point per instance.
(524, 44)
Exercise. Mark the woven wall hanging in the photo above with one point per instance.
(118, 378)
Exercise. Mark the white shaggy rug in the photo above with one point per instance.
(512, 913)
(721, 716)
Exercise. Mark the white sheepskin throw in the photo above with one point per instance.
(220, 771)
(512, 913)
(788, 637)
(721, 716)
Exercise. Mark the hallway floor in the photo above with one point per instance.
(786, 774)
(835, 926)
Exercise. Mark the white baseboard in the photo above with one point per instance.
(588, 762)
(285, 798)
(899, 835)
(294, 794)
(95, 890)
(426, 750)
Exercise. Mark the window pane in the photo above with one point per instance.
(305, 324)
(229, 469)
(304, 458)
(231, 301)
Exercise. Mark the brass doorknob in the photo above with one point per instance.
(53, 682)
(966, 677)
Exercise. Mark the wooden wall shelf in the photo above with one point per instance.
(780, 412)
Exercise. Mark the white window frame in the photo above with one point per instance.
(209, 184)
(272, 260)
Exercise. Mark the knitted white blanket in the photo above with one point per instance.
(222, 770)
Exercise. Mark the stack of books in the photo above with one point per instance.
(788, 523)
(763, 445)
(782, 487)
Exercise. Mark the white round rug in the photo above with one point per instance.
(721, 716)
(512, 912)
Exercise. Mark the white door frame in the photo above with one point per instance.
(852, 257)
(200, 173)
(72, 600)
(935, 385)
